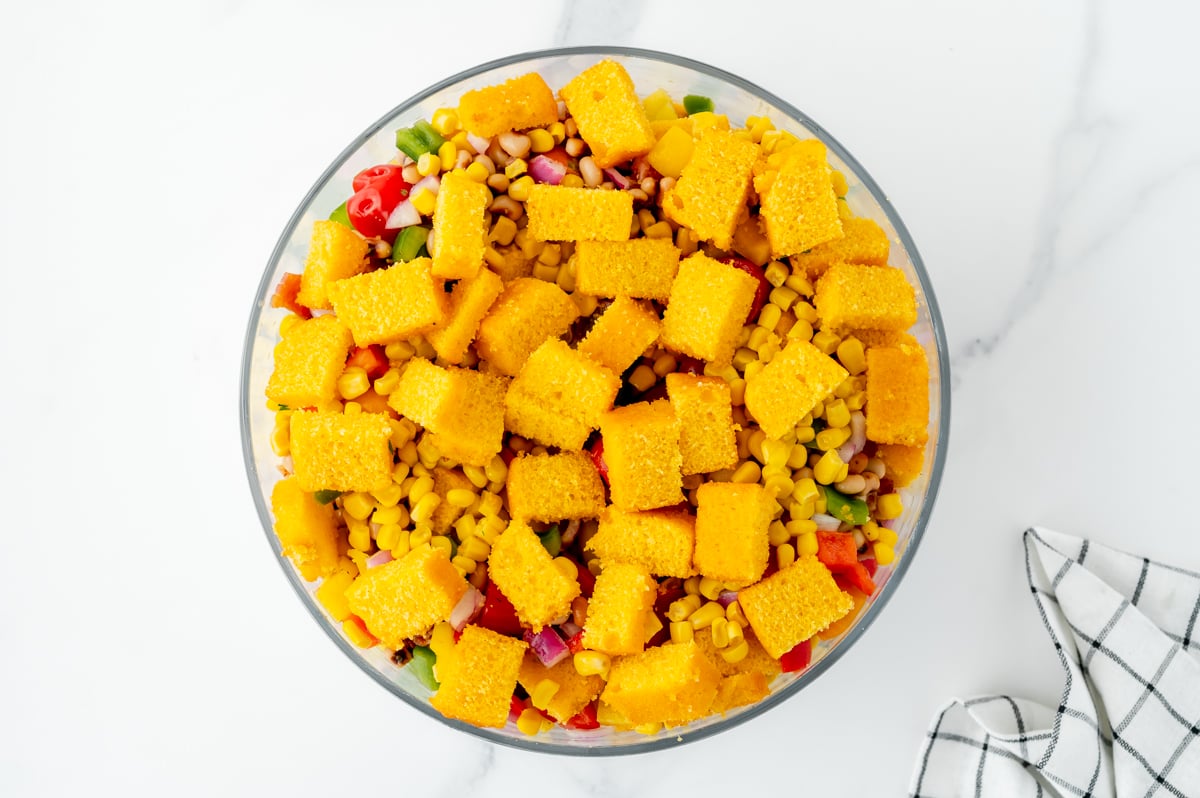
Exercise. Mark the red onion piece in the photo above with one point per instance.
(826, 523)
(547, 170)
(427, 183)
(727, 597)
(619, 180)
(379, 558)
(858, 437)
(405, 215)
(890, 523)
(548, 646)
(478, 143)
(466, 609)
(570, 629)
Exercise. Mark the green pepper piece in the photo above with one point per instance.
(326, 496)
(695, 103)
(433, 140)
(409, 243)
(552, 540)
(421, 665)
(340, 216)
(846, 508)
(409, 142)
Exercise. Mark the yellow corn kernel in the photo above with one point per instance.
(358, 505)
(496, 470)
(444, 543)
(446, 155)
(464, 526)
(747, 473)
(758, 336)
(658, 230)
(566, 567)
(743, 357)
(515, 170)
(804, 434)
(357, 635)
(503, 231)
(798, 454)
(851, 355)
(737, 392)
(477, 476)
(643, 378)
(826, 341)
(558, 131)
(691, 586)
(664, 364)
(710, 588)
(828, 468)
(388, 536)
(358, 534)
(402, 544)
(529, 722)
(778, 534)
(776, 273)
(703, 617)
(490, 505)
(445, 121)
(783, 297)
(388, 382)
(884, 554)
(785, 555)
(682, 632)
(805, 490)
(769, 317)
(801, 331)
(720, 632)
(352, 408)
(888, 506)
(736, 632)
(888, 536)
(464, 565)
(353, 383)
(798, 527)
(592, 663)
(737, 653)
(682, 609)
(837, 414)
(429, 163)
(424, 202)
(460, 498)
(388, 515)
(540, 140)
(420, 536)
(489, 529)
(831, 438)
(421, 486)
(734, 614)
(422, 511)
(399, 351)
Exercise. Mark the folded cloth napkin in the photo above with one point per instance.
(1128, 723)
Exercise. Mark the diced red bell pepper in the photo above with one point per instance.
(370, 359)
(587, 580)
(575, 642)
(286, 293)
(585, 720)
(870, 564)
(498, 613)
(856, 577)
(763, 289)
(507, 455)
(836, 550)
(798, 658)
(597, 453)
(516, 706)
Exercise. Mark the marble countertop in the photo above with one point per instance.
(1043, 155)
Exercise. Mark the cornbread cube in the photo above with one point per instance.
(790, 386)
(307, 531)
(528, 312)
(897, 407)
(611, 118)
(558, 397)
(704, 407)
(800, 208)
(793, 604)
(863, 242)
(873, 338)
(673, 684)
(616, 616)
(477, 682)
(554, 487)
(643, 268)
(710, 195)
(708, 306)
(903, 462)
(389, 304)
(444, 481)
(574, 691)
(756, 660)
(459, 227)
(404, 598)
(332, 451)
(641, 449)
(517, 104)
(463, 408)
(850, 296)
(468, 304)
(335, 252)
(525, 573)
(660, 541)
(739, 690)
(625, 330)
(731, 531)
(561, 213)
(308, 362)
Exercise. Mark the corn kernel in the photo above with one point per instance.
(884, 554)
(543, 692)
(734, 614)
(783, 297)
(358, 534)
(503, 231)
(540, 140)
(691, 586)
(828, 468)
(769, 317)
(664, 364)
(657, 230)
(785, 555)
(444, 543)
(720, 632)
(682, 609)
(826, 341)
(529, 722)
(388, 515)
(477, 172)
(747, 473)
(424, 202)
(281, 436)
(421, 486)
(429, 163)
(643, 378)
(402, 544)
(592, 663)
(566, 567)
(475, 547)
(710, 588)
(648, 729)
(737, 392)
(441, 640)
(888, 506)
(737, 653)
(460, 498)
(399, 474)
(399, 351)
(388, 536)
(776, 273)
(831, 438)
(703, 617)
(445, 121)
(736, 632)
(490, 505)
(837, 414)
(496, 470)
(353, 383)
(681, 632)
(515, 170)
(422, 511)
(778, 534)
(446, 155)
(357, 505)
(888, 536)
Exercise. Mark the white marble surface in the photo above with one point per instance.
(1045, 156)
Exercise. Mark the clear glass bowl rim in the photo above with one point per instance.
(929, 499)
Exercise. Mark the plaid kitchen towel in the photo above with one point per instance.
(1128, 723)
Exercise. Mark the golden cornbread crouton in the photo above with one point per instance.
(850, 296)
(459, 227)
(561, 213)
(517, 104)
(903, 462)
(790, 386)
(660, 541)
(792, 605)
(873, 338)
(404, 598)
(335, 252)
(708, 306)
(863, 242)
(731, 531)
(897, 407)
(800, 208)
(574, 691)
(525, 573)
(611, 118)
(307, 530)
(308, 362)
(389, 304)
(756, 660)
(710, 195)
(463, 408)
(616, 615)
(673, 684)
(444, 481)
(641, 449)
(528, 312)
(625, 330)
(739, 690)
(333, 451)
(468, 304)
(704, 407)
(554, 487)
(477, 682)
(558, 397)
(643, 268)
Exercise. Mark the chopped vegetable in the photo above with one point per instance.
(370, 359)
(696, 104)
(286, 296)
(326, 496)
(419, 139)
(409, 244)
(552, 540)
(421, 665)
(547, 645)
(340, 216)
(498, 614)
(846, 508)
(798, 658)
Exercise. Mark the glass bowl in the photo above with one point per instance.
(650, 71)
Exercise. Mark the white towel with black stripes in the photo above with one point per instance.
(1128, 724)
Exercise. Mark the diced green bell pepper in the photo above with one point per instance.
(846, 508)
(552, 540)
(326, 496)
(695, 103)
(421, 665)
(409, 243)
(340, 216)
(419, 139)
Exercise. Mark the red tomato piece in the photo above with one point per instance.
(370, 359)
(498, 613)
(515, 707)
(585, 720)
(373, 174)
(366, 212)
(377, 192)
(760, 293)
(286, 293)
(587, 581)
(798, 658)
(597, 453)
(575, 642)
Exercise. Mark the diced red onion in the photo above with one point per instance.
(570, 629)
(548, 646)
(727, 597)
(547, 170)
(379, 558)
(890, 523)
(478, 143)
(826, 523)
(466, 609)
(620, 180)
(427, 183)
(405, 215)
(858, 437)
